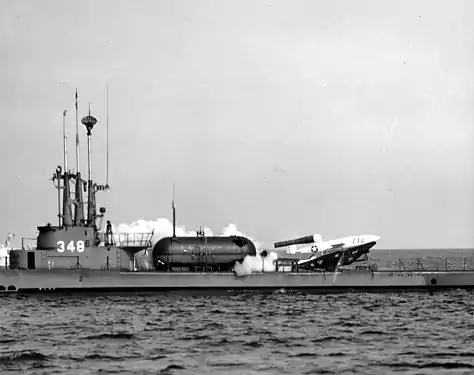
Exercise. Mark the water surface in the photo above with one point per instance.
(247, 333)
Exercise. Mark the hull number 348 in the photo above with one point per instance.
(71, 246)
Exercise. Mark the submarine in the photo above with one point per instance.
(77, 255)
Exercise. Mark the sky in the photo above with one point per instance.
(279, 118)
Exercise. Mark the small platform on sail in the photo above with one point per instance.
(133, 242)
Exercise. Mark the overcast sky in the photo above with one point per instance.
(285, 118)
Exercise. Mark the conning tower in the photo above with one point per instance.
(74, 236)
(75, 242)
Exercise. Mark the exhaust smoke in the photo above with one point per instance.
(262, 262)
(162, 227)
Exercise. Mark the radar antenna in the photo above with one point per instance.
(89, 122)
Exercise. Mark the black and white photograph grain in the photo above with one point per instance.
(237, 187)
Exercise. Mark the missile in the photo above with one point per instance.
(298, 241)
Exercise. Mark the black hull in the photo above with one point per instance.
(222, 291)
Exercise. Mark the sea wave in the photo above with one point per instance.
(254, 333)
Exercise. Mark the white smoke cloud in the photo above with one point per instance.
(163, 227)
(256, 263)
(5, 250)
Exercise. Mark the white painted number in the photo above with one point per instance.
(70, 246)
(80, 246)
(60, 246)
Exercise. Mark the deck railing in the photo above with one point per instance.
(123, 240)
(28, 243)
(434, 264)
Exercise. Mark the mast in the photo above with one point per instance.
(79, 208)
(57, 176)
(107, 138)
(174, 215)
(67, 213)
(77, 136)
(65, 139)
(89, 122)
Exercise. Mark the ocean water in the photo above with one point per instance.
(247, 333)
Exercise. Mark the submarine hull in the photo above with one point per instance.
(83, 280)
